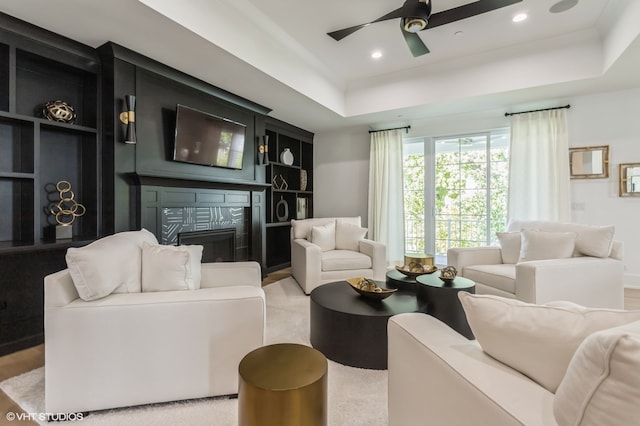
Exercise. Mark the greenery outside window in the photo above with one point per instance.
(455, 191)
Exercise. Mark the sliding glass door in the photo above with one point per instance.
(455, 191)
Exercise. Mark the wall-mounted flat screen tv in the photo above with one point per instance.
(209, 140)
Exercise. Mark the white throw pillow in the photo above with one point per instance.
(595, 241)
(348, 236)
(542, 245)
(109, 265)
(537, 340)
(324, 236)
(167, 268)
(509, 246)
(602, 384)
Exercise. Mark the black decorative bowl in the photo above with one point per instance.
(369, 289)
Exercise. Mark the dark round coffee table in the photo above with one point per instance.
(440, 300)
(351, 329)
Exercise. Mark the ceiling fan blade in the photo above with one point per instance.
(416, 46)
(467, 11)
(340, 34)
(398, 13)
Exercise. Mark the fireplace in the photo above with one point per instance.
(219, 244)
(170, 211)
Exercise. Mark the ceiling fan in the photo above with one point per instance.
(416, 16)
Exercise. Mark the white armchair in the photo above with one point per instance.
(591, 274)
(132, 348)
(332, 249)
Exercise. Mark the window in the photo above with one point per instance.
(455, 191)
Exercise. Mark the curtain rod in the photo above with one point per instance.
(395, 128)
(507, 114)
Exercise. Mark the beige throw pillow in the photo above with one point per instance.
(537, 340)
(324, 236)
(602, 384)
(542, 245)
(509, 246)
(109, 265)
(348, 236)
(167, 268)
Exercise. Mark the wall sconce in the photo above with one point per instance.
(128, 117)
(263, 150)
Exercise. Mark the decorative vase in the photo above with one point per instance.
(282, 210)
(286, 157)
(303, 180)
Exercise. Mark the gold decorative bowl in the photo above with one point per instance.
(370, 289)
(416, 269)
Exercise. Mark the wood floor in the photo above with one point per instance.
(28, 359)
(20, 362)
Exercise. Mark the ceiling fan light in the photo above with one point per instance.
(413, 25)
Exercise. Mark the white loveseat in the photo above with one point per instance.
(131, 348)
(533, 365)
(589, 274)
(334, 248)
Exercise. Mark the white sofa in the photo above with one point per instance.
(438, 377)
(128, 349)
(335, 250)
(587, 280)
(557, 363)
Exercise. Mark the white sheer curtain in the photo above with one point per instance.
(539, 167)
(386, 201)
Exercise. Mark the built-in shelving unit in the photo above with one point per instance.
(289, 196)
(36, 152)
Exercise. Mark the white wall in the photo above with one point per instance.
(612, 118)
(341, 173)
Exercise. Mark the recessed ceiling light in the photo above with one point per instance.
(563, 6)
(376, 54)
(519, 17)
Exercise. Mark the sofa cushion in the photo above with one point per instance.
(602, 384)
(302, 228)
(502, 277)
(109, 265)
(324, 236)
(542, 245)
(537, 340)
(167, 268)
(591, 240)
(344, 260)
(509, 246)
(348, 236)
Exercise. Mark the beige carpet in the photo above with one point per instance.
(356, 396)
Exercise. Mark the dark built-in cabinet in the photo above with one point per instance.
(37, 67)
(114, 181)
(291, 193)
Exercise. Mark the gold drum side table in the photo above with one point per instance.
(284, 384)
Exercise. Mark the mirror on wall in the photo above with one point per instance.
(630, 180)
(589, 162)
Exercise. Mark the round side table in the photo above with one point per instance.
(396, 279)
(440, 299)
(283, 385)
